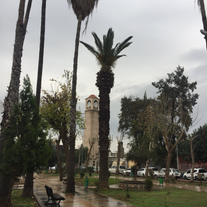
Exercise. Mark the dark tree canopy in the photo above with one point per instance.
(199, 146)
(26, 144)
(177, 93)
(134, 121)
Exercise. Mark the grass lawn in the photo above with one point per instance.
(18, 201)
(157, 198)
(160, 198)
(93, 180)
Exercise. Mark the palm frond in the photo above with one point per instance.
(98, 42)
(104, 43)
(114, 49)
(90, 48)
(105, 54)
(109, 41)
(119, 56)
(83, 9)
(123, 45)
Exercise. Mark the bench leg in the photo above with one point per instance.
(52, 204)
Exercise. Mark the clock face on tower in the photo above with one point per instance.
(88, 103)
(95, 104)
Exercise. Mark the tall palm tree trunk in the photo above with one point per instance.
(41, 52)
(105, 80)
(203, 15)
(70, 188)
(104, 117)
(58, 159)
(63, 134)
(13, 90)
(28, 185)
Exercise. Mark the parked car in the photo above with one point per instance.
(52, 168)
(141, 171)
(196, 172)
(173, 171)
(112, 169)
(127, 172)
(160, 174)
(94, 169)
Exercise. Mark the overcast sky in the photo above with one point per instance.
(165, 34)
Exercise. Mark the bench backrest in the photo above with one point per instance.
(49, 191)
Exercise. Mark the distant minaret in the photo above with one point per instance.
(91, 128)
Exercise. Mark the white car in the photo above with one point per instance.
(173, 172)
(197, 171)
(52, 168)
(112, 169)
(127, 172)
(94, 169)
(141, 171)
(160, 174)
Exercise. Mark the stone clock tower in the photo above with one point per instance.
(90, 138)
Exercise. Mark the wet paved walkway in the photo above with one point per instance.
(85, 197)
(82, 198)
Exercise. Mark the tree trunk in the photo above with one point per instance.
(135, 172)
(104, 117)
(118, 158)
(70, 188)
(58, 160)
(104, 82)
(89, 152)
(41, 52)
(203, 15)
(97, 165)
(147, 170)
(4, 189)
(168, 162)
(64, 137)
(192, 157)
(28, 185)
(13, 89)
(7, 199)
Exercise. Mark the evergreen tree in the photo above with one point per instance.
(173, 109)
(26, 143)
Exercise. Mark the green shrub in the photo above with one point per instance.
(82, 174)
(148, 184)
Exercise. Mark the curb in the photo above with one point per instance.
(40, 203)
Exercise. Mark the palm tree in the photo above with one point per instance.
(41, 52)
(204, 20)
(28, 185)
(13, 89)
(106, 56)
(82, 9)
